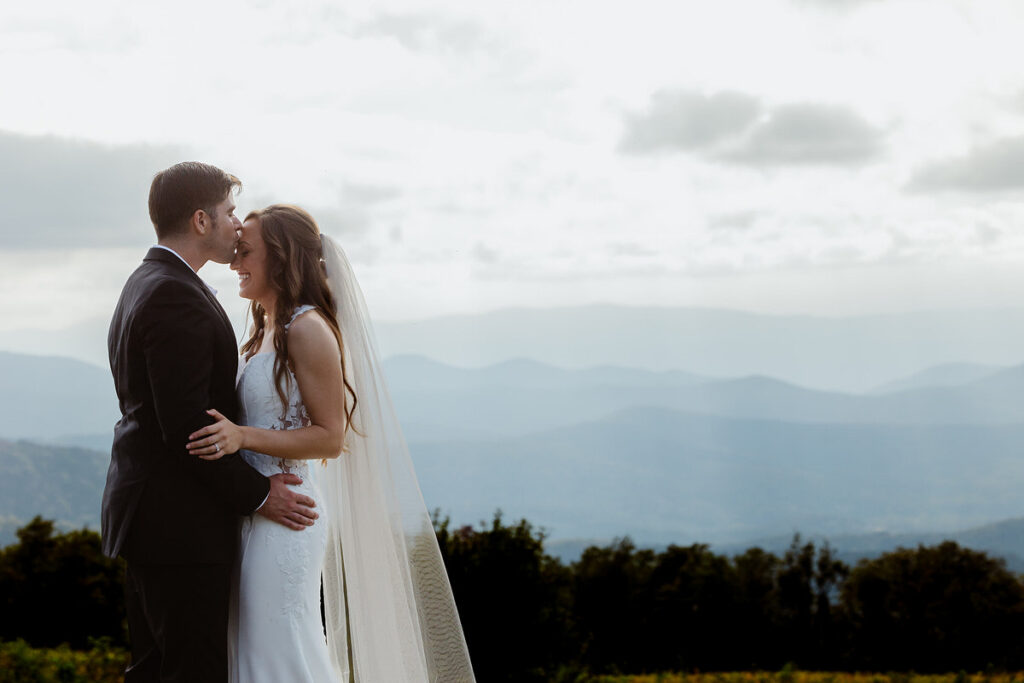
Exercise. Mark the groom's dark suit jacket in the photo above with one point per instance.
(173, 356)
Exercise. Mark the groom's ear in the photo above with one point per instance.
(199, 222)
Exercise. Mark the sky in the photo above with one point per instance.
(828, 157)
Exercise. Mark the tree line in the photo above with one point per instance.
(529, 617)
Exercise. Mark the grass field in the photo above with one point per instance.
(20, 663)
(793, 676)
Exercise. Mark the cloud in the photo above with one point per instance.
(986, 234)
(430, 32)
(809, 134)
(365, 194)
(61, 192)
(630, 250)
(733, 127)
(348, 220)
(993, 167)
(833, 4)
(738, 220)
(684, 120)
(485, 254)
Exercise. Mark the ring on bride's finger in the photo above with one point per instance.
(217, 447)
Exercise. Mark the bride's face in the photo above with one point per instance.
(251, 263)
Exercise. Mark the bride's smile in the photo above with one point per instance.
(250, 264)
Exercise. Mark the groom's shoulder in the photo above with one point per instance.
(155, 287)
(154, 280)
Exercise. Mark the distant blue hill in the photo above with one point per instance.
(945, 375)
(665, 476)
(65, 401)
(59, 483)
(853, 354)
(660, 476)
(461, 402)
(849, 354)
(48, 397)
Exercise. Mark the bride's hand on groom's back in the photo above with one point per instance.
(213, 441)
(287, 507)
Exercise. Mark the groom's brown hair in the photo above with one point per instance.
(179, 191)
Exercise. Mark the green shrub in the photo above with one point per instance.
(20, 663)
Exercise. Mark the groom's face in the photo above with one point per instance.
(223, 233)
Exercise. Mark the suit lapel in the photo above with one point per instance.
(220, 310)
(183, 269)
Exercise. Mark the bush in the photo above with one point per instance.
(937, 608)
(20, 663)
(512, 599)
(60, 588)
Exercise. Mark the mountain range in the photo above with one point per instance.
(67, 401)
(61, 483)
(728, 486)
(850, 354)
(666, 476)
(587, 457)
(662, 455)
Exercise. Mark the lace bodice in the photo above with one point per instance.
(260, 406)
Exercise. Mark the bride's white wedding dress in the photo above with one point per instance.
(390, 613)
(276, 633)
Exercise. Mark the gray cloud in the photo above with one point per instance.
(684, 120)
(348, 220)
(630, 250)
(993, 167)
(485, 254)
(833, 4)
(809, 134)
(430, 32)
(108, 35)
(61, 192)
(986, 234)
(739, 220)
(368, 194)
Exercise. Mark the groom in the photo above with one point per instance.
(172, 516)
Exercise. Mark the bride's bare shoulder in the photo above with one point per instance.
(310, 338)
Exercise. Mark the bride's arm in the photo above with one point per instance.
(316, 363)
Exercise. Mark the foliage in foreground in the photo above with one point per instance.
(529, 618)
(788, 675)
(102, 663)
(59, 588)
(20, 663)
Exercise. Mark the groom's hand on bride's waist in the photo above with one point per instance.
(286, 507)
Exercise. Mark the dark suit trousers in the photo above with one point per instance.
(178, 622)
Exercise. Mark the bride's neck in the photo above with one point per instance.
(270, 308)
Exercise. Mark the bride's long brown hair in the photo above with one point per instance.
(296, 272)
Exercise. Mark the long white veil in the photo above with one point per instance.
(390, 614)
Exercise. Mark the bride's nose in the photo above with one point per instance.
(234, 260)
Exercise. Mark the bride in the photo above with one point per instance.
(314, 403)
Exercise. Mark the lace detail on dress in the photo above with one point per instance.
(305, 308)
(294, 565)
(261, 407)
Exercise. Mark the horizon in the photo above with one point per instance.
(802, 350)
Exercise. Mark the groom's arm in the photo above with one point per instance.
(178, 342)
